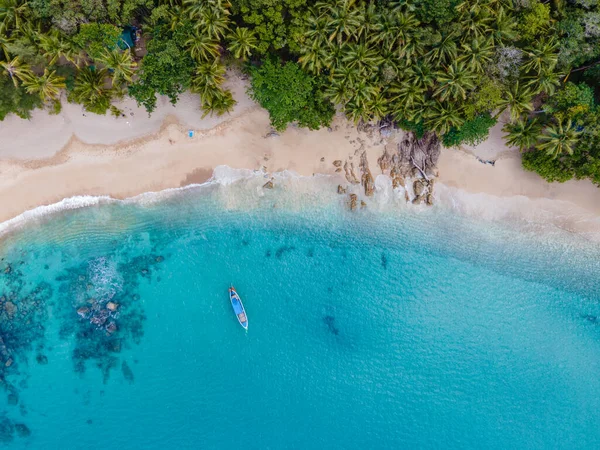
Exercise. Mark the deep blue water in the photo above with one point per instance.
(366, 330)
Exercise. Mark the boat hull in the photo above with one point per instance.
(238, 308)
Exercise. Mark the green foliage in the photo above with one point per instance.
(16, 100)
(571, 102)
(546, 166)
(290, 95)
(415, 127)
(534, 20)
(90, 90)
(436, 11)
(95, 38)
(486, 97)
(472, 132)
(167, 68)
(274, 21)
(68, 14)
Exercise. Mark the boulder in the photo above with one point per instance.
(363, 204)
(323, 159)
(337, 163)
(83, 311)
(341, 190)
(338, 170)
(8, 362)
(367, 181)
(418, 187)
(429, 199)
(268, 185)
(353, 201)
(111, 306)
(418, 199)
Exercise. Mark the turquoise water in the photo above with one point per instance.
(405, 329)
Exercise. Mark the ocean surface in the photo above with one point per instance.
(386, 327)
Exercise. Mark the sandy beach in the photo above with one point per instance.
(49, 158)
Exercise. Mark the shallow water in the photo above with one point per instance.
(403, 328)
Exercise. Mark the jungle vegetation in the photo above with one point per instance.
(446, 66)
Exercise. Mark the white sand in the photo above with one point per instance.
(128, 156)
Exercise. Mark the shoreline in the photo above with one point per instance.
(242, 140)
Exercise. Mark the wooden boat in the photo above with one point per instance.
(238, 308)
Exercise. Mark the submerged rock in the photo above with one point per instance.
(112, 306)
(83, 311)
(22, 430)
(42, 359)
(10, 308)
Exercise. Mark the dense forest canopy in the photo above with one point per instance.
(447, 66)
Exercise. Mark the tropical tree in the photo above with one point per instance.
(559, 139)
(90, 90)
(16, 70)
(202, 47)
(241, 42)
(454, 82)
(120, 64)
(343, 19)
(523, 133)
(208, 78)
(442, 117)
(54, 46)
(47, 86)
(542, 57)
(220, 102)
(518, 99)
(13, 13)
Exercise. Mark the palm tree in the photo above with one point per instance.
(313, 58)
(219, 103)
(454, 82)
(12, 13)
(47, 86)
(542, 57)
(361, 57)
(503, 26)
(90, 90)
(378, 106)
(522, 133)
(5, 42)
(343, 19)
(54, 47)
(478, 53)
(547, 81)
(120, 64)
(316, 29)
(518, 99)
(363, 92)
(202, 47)
(442, 117)
(445, 51)
(213, 22)
(559, 139)
(208, 78)
(337, 92)
(408, 93)
(16, 70)
(242, 42)
(421, 75)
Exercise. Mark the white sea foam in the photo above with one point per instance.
(244, 189)
(79, 201)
